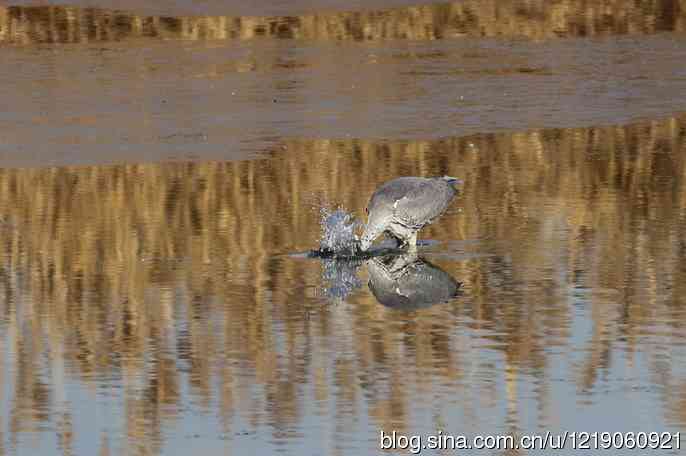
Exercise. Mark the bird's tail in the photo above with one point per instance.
(453, 180)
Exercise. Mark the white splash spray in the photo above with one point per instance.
(338, 232)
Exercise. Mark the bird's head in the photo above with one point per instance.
(374, 227)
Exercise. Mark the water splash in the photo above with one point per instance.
(338, 246)
(338, 236)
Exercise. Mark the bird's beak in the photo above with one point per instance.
(372, 230)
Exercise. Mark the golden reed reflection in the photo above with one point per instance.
(154, 276)
(538, 19)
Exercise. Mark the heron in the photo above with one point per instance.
(403, 206)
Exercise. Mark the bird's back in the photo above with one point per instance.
(415, 201)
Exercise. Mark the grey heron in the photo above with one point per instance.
(403, 206)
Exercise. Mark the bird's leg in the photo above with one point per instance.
(411, 242)
(398, 240)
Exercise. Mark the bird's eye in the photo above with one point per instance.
(366, 211)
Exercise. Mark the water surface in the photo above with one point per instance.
(164, 169)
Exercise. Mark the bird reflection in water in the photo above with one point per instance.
(403, 281)
(408, 282)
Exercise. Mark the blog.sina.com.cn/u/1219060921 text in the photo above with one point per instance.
(546, 441)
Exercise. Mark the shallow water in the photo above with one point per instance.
(163, 176)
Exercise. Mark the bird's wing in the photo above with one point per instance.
(422, 204)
